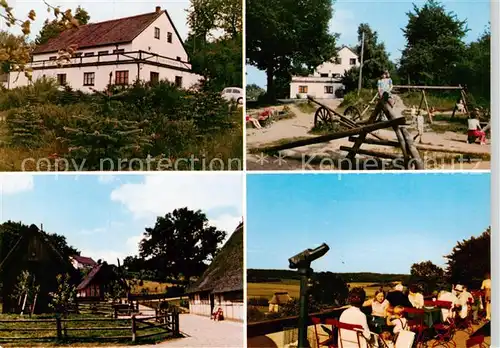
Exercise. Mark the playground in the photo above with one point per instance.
(357, 133)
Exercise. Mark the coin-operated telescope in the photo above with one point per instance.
(302, 263)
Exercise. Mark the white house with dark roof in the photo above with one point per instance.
(146, 47)
(326, 78)
(82, 262)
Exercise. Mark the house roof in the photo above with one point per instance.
(112, 32)
(350, 49)
(225, 273)
(88, 279)
(280, 298)
(84, 260)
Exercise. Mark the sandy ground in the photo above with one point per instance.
(200, 331)
(294, 159)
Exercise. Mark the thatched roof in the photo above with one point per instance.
(280, 298)
(22, 245)
(225, 273)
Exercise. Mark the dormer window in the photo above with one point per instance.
(77, 55)
(169, 37)
(119, 51)
(102, 53)
(89, 54)
(157, 33)
(53, 58)
(179, 59)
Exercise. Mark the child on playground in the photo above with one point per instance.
(385, 88)
(474, 127)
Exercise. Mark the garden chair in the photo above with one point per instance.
(445, 334)
(416, 324)
(330, 341)
(475, 341)
(350, 330)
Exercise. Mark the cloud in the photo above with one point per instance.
(16, 183)
(160, 194)
(86, 232)
(226, 223)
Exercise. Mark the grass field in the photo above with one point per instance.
(267, 290)
(151, 287)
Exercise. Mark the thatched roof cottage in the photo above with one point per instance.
(278, 299)
(221, 285)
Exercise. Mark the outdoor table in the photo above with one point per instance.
(432, 315)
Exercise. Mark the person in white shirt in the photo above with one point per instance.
(415, 297)
(380, 305)
(353, 315)
(447, 313)
(474, 128)
(486, 286)
(462, 303)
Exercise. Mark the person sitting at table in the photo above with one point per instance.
(397, 298)
(415, 297)
(353, 315)
(462, 303)
(397, 320)
(379, 305)
(447, 313)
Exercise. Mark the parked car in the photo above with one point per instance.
(233, 94)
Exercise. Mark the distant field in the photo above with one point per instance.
(151, 287)
(267, 290)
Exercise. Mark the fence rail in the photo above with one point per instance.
(166, 324)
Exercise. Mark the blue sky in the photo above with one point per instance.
(104, 216)
(372, 222)
(387, 18)
(102, 10)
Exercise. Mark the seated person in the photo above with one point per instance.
(447, 313)
(462, 303)
(474, 128)
(415, 297)
(380, 305)
(397, 320)
(397, 298)
(353, 315)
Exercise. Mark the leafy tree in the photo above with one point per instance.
(329, 289)
(218, 60)
(52, 29)
(375, 60)
(25, 288)
(180, 243)
(434, 45)
(427, 275)
(470, 260)
(65, 296)
(18, 59)
(286, 36)
(253, 91)
(474, 70)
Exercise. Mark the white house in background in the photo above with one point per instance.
(326, 78)
(146, 47)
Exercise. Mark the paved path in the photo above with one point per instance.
(200, 331)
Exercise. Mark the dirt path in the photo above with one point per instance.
(200, 332)
(299, 127)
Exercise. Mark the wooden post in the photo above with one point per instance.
(134, 328)
(175, 320)
(427, 106)
(58, 327)
(420, 105)
(361, 62)
(116, 312)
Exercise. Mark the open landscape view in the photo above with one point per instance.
(367, 85)
(384, 254)
(118, 260)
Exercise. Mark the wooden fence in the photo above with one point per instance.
(61, 328)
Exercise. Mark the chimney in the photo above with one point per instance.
(158, 9)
